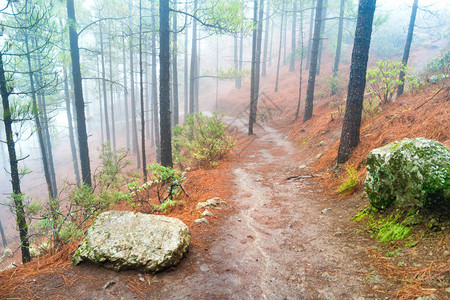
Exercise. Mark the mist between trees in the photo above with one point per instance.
(76, 75)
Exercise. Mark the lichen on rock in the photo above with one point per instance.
(410, 172)
(126, 240)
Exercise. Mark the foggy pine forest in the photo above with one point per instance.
(271, 105)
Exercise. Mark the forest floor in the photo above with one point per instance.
(287, 234)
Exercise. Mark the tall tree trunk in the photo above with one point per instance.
(266, 40)
(2, 233)
(271, 43)
(313, 64)
(186, 66)
(105, 98)
(134, 134)
(256, 62)
(99, 85)
(14, 169)
(79, 102)
(279, 48)
(353, 110)
(141, 97)
(284, 35)
(111, 86)
(311, 22)
(48, 144)
(338, 47)
(175, 68)
(155, 91)
(241, 58)
(322, 32)
(73, 148)
(301, 63)
(197, 75)
(147, 58)
(293, 42)
(37, 121)
(217, 74)
(193, 68)
(236, 63)
(409, 38)
(164, 85)
(125, 90)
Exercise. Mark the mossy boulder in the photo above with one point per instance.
(409, 173)
(126, 240)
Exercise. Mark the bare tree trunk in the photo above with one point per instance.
(293, 42)
(111, 86)
(409, 38)
(311, 22)
(256, 62)
(105, 99)
(37, 121)
(147, 57)
(313, 64)
(266, 40)
(99, 85)
(271, 44)
(73, 148)
(193, 68)
(134, 134)
(48, 144)
(79, 102)
(175, 68)
(186, 66)
(360, 56)
(2, 233)
(236, 63)
(125, 90)
(241, 57)
(338, 47)
(14, 169)
(284, 35)
(279, 48)
(155, 91)
(141, 95)
(164, 85)
(301, 63)
(322, 32)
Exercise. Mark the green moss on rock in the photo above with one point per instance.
(410, 172)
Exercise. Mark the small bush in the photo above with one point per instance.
(439, 65)
(165, 185)
(383, 81)
(63, 225)
(351, 182)
(201, 140)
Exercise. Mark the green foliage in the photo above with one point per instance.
(384, 229)
(415, 85)
(439, 65)
(165, 185)
(351, 182)
(163, 207)
(383, 81)
(201, 140)
(63, 225)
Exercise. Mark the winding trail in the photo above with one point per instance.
(277, 244)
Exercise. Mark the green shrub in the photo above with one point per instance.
(62, 226)
(165, 185)
(351, 182)
(439, 65)
(201, 140)
(383, 81)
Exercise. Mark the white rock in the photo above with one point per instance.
(127, 240)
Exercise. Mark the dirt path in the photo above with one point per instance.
(278, 242)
